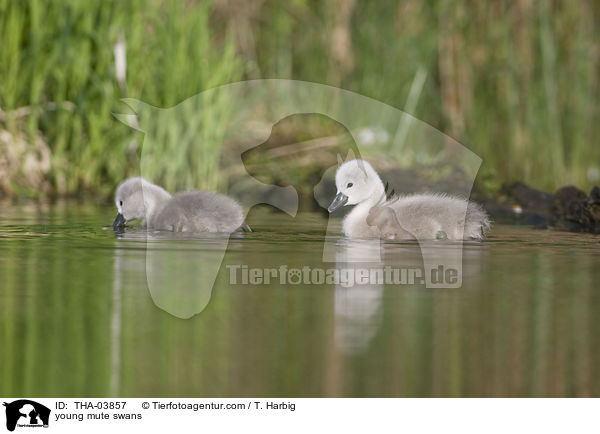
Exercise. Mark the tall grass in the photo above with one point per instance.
(57, 61)
(514, 81)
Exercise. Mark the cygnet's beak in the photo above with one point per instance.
(119, 221)
(339, 200)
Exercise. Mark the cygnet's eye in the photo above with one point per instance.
(349, 185)
(121, 203)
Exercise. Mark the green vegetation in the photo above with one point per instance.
(516, 82)
(58, 82)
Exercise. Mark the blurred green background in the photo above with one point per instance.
(516, 82)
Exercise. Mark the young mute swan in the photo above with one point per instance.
(418, 216)
(193, 211)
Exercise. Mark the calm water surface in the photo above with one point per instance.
(77, 317)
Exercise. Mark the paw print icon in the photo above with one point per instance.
(294, 276)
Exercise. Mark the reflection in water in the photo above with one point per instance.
(181, 268)
(358, 310)
(357, 316)
(115, 326)
(128, 277)
(181, 275)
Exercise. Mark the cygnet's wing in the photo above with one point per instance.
(199, 211)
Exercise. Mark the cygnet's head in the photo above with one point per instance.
(356, 182)
(132, 199)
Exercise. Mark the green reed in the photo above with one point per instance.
(516, 82)
(58, 62)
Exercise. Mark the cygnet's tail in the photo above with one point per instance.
(477, 222)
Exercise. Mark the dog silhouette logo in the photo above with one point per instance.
(26, 413)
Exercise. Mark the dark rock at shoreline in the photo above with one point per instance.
(517, 203)
(533, 200)
(574, 211)
(594, 203)
(568, 209)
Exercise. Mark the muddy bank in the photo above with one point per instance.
(568, 209)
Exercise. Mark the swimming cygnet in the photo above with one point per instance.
(418, 216)
(193, 211)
